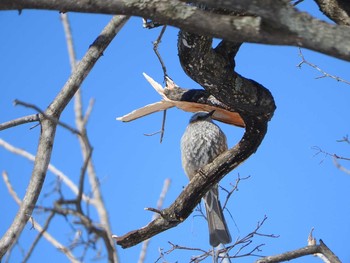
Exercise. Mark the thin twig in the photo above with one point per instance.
(36, 108)
(155, 48)
(38, 227)
(344, 139)
(324, 73)
(69, 40)
(38, 237)
(86, 148)
(60, 175)
(48, 126)
(160, 201)
(234, 188)
(88, 112)
(82, 180)
(335, 156)
(163, 126)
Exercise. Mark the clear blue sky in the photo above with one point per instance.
(294, 188)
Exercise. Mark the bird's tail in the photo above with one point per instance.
(218, 231)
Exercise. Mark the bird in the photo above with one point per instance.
(201, 143)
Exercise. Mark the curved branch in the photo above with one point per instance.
(270, 22)
(213, 69)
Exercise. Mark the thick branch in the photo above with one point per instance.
(214, 70)
(201, 182)
(271, 22)
(85, 65)
(337, 10)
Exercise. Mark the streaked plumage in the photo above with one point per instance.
(201, 143)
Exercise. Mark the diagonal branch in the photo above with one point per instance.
(48, 130)
(60, 175)
(42, 230)
(198, 186)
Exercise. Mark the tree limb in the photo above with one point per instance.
(213, 70)
(81, 121)
(42, 230)
(48, 129)
(337, 10)
(308, 250)
(19, 121)
(268, 22)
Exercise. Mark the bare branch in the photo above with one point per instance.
(42, 230)
(19, 121)
(335, 156)
(88, 112)
(308, 250)
(69, 40)
(155, 49)
(48, 127)
(34, 188)
(233, 189)
(60, 175)
(160, 201)
(269, 22)
(36, 108)
(324, 73)
(81, 122)
(254, 103)
(82, 180)
(223, 253)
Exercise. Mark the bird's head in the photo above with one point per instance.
(201, 116)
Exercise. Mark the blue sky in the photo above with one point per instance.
(295, 189)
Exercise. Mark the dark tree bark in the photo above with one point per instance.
(213, 69)
(337, 10)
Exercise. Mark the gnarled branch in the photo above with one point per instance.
(213, 69)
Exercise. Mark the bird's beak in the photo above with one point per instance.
(211, 113)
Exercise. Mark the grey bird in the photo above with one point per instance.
(201, 143)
